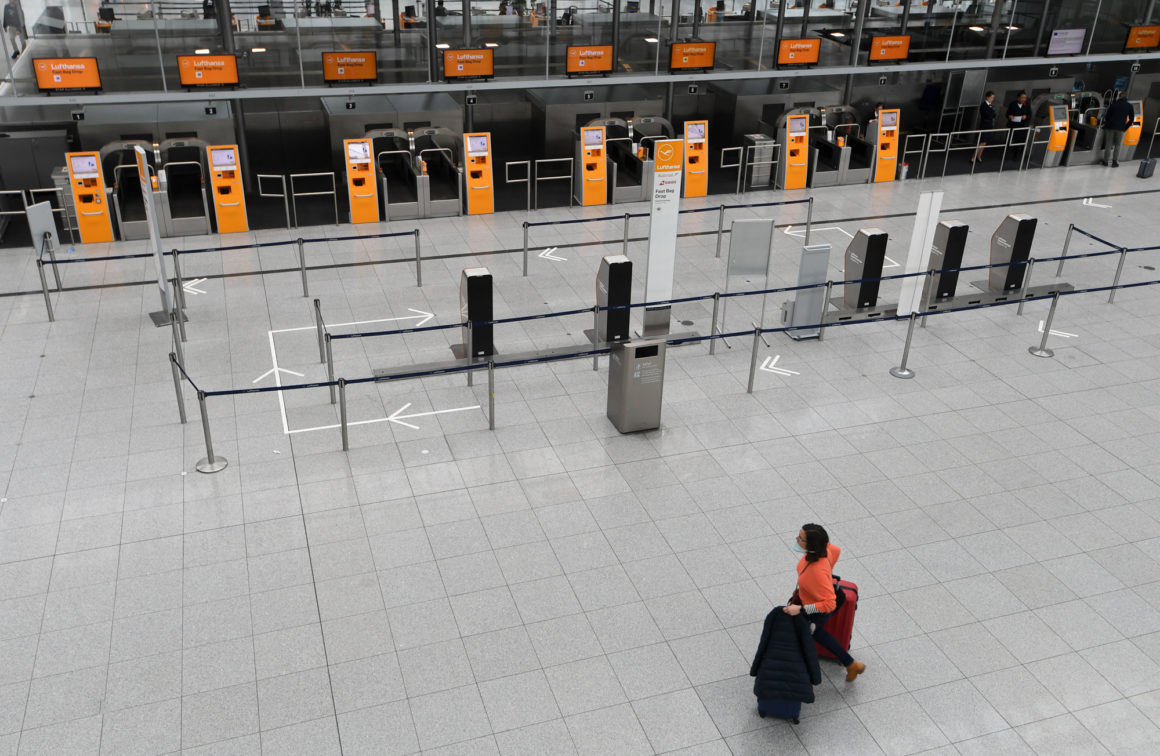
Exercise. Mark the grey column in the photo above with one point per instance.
(993, 32)
(225, 22)
(615, 32)
(467, 23)
(696, 18)
(1148, 13)
(674, 29)
(780, 28)
(806, 17)
(856, 46)
(906, 15)
(1042, 27)
(432, 40)
(396, 32)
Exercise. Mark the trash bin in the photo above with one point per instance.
(636, 378)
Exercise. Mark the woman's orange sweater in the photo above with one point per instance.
(816, 582)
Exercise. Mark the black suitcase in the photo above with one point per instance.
(769, 707)
(1147, 166)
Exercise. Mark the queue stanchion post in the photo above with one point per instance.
(51, 249)
(1026, 283)
(319, 330)
(928, 287)
(809, 220)
(177, 387)
(720, 228)
(491, 394)
(211, 463)
(44, 288)
(825, 307)
(178, 315)
(342, 414)
(418, 261)
(178, 280)
(713, 323)
(627, 216)
(1119, 272)
(525, 249)
(595, 335)
(1042, 350)
(302, 266)
(753, 358)
(902, 371)
(1063, 254)
(330, 367)
(469, 353)
(175, 327)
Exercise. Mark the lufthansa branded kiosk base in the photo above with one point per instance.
(636, 379)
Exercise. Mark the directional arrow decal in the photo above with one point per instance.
(423, 315)
(1061, 334)
(398, 417)
(789, 230)
(1090, 202)
(191, 286)
(274, 371)
(769, 365)
(547, 255)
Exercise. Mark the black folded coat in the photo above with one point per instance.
(786, 662)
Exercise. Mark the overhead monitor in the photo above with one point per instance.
(798, 52)
(358, 152)
(477, 145)
(350, 66)
(593, 138)
(469, 64)
(889, 119)
(207, 70)
(692, 55)
(83, 166)
(695, 132)
(223, 158)
(1143, 38)
(895, 47)
(59, 74)
(1066, 41)
(589, 59)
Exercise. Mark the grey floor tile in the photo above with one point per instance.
(383, 729)
(585, 685)
(366, 682)
(611, 730)
(153, 728)
(518, 701)
(960, 711)
(318, 736)
(1073, 681)
(548, 737)
(1120, 727)
(880, 718)
(435, 667)
(1064, 734)
(219, 715)
(675, 720)
(435, 729)
(294, 698)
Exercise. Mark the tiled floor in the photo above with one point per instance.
(555, 587)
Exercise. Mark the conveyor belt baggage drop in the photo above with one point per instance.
(613, 289)
(864, 259)
(475, 306)
(946, 255)
(1011, 242)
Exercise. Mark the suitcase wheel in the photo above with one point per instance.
(761, 713)
(796, 720)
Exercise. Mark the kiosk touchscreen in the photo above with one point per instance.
(361, 186)
(592, 178)
(229, 197)
(88, 190)
(886, 155)
(793, 168)
(1057, 142)
(480, 195)
(696, 158)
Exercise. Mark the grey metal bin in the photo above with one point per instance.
(636, 379)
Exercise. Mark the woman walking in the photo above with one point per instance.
(815, 594)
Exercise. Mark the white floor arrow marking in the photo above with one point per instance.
(801, 233)
(892, 263)
(394, 417)
(191, 286)
(1090, 202)
(276, 370)
(769, 366)
(1061, 334)
(547, 255)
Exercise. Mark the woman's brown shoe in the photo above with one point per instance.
(854, 670)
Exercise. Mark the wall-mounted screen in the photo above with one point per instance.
(1143, 38)
(890, 48)
(589, 59)
(463, 64)
(692, 55)
(1066, 41)
(83, 166)
(207, 70)
(56, 74)
(350, 66)
(798, 52)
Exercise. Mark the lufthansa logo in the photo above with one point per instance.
(665, 151)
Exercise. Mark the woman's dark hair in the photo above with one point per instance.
(817, 539)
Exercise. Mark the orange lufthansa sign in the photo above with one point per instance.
(890, 48)
(350, 66)
(670, 155)
(66, 73)
(468, 63)
(797, 52)
(692, 55)
(589, 59)
(207, 70)
(1143, 38)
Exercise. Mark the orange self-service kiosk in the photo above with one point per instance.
(229, 197)
(480, 195)
(88, 191)
(1135, 129)
(1057, 142)
(361, 186)
(591, 179)
(793, 168)
(886, 152)
(696, 182)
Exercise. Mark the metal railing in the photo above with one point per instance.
(283, 195)
(537, 178)
(295, 194)
(526, 180)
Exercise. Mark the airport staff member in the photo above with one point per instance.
(1019, 112)
(987, 116)
(14, 27)
(1117, 118)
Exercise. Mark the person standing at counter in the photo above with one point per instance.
(987, 116)
(1019, 112)
(1117, 118)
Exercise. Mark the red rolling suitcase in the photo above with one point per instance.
(841, 622)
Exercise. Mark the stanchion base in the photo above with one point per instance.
(901, 372)
(1040, 352)
(162, 319)
(218, 464)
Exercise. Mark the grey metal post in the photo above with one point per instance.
(626, 217)
(856, 47)
(806, 17)
(1026, 283)
(825, 307)
(595, 335)
(525, 249)
(178, 312)
(753, 358)
(470, 354)
(318, 330)
(809, 219)
(778, 31)
(1042, 350)
(993, 32)
(466, 23)
(342, 413)
(615, 30)
(1063, 254)
(928, 287)
(302, 266)
(491, 395)
(1043, 14)
(713, 324)
(902, 371)
(44, 288)
(720, 227)
(174, 319)
(211, 463)
(51, 249)
(177, 387)
(225, 19)
(905, 19)
(330, 367)
(418, 261)
(396, 32)
(178, 280)
(1119, 271)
